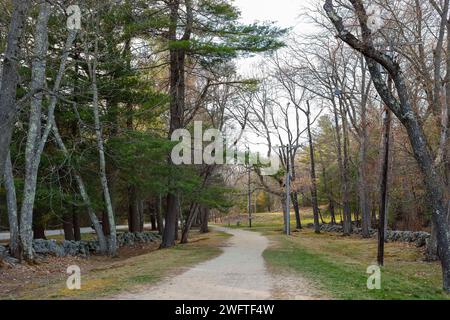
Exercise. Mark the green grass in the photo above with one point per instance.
(338, 265)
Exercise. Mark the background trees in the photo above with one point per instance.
(97, 105)
(85, 117)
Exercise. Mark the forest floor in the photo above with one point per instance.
(103, 277)
(239, 273)
(338, 265)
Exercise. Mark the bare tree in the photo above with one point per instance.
(402, 108)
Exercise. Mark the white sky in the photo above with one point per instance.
(286, 14)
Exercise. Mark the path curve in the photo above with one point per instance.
(237, 274)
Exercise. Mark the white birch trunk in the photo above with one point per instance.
(32, 157)
(10, 78)
(101, 151)
(11, 200)
(84, 195)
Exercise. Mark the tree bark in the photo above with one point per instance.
(362, 177)
(159, 216)
(39, 232)
(432, 249)
(177, 223)
(402, 108)
(312, 171)
(177, 105)
(205, 211)
(84, 195)
(112, 243)
(11, 200)
(38, 227)
(141, 216)
(348, 228)
(32, 151)
(133, 210)
(384, 174)
(296, 205)
(76, 225)
(10, 78)
(328, 191)
(68, 227)
(343, 173)
(153, 215)
(193, 213)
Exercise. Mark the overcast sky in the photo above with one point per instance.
(286, 14)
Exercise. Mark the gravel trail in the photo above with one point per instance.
(239, 273)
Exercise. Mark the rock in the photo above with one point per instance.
(71, 248)
(48, 247)
(418, 238)
(84, 248)
(11, 261)
(3, 252)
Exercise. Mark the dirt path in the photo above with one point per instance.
(238, 274)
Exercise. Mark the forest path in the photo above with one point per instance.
(239, 273)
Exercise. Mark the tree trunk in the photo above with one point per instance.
(313, 172)
(328, 191)
(346, 219)
(177, 224)
(432, 249)
(11, 200)
(38, 227)
(32, 151)
(112, 243)
(298, 220)
(193, 213)
(159, 216)
(10, 78)
(68, 227)
(205, 219)
(133, 211)
(283, 206)
(331, 208)
(171, 220)
(384, 175)
(76, 225)
(39, 232)
(404, 111)
(84, 195)
(346, 180)
(364, 202)
(153, 216)
(105, 224)
(141, 216)
(177, 104)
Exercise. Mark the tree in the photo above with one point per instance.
(197, 24)
(10, 78)
(402, 108)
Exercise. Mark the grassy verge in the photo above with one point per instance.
(113, 277)
(338, 264)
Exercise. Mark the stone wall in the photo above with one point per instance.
(418, 238)
(82, 248)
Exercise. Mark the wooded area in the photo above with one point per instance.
(356, 109)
